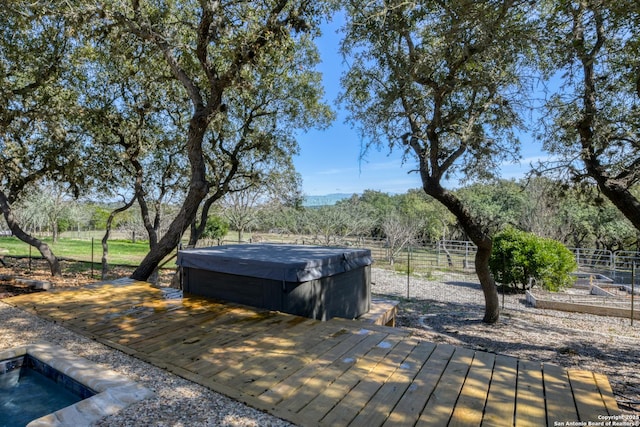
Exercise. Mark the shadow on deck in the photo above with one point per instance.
(334, 373)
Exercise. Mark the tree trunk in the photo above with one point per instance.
(105, 238)
(151, 227)
(43, 248)
(481, 239)
(447, 253)
(198, 229)
(489, 289)
(105, 249)
(172, 238)
(614, 188)
(617, 193)
(198, 189)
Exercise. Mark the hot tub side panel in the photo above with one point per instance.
(346, 295)
(247, 290)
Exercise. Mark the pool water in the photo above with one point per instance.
(29, 389)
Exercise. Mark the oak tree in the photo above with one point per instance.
(37, 142)
(214, 49)
(441, 81)
(592, 49)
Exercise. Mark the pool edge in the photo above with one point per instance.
(114, 391)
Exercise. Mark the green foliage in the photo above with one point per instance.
(592, 49)
(519, 257)
(64, 224)
(495, 204)
(425, 78)
(216, 228)
(99, 218)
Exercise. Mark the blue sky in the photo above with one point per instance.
(330, 161)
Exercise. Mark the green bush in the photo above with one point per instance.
(216, 228)
(518, 258)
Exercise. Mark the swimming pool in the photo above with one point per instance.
(44, 384)
(30, 389)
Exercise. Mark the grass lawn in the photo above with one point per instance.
(120, 251)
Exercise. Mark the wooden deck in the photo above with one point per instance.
(334, 373)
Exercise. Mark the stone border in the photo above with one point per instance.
(114, 391)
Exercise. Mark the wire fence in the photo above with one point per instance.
(459, 256)
(445, 271)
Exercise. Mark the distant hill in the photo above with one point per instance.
(324, 200)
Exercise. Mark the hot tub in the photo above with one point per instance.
(311, 281)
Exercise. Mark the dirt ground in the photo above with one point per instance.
(72, 275)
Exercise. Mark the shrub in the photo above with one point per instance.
(216, 228)
(518, 258)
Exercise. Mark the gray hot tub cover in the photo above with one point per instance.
(290, 263)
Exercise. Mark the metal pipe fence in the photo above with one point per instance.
(444, 272)
(458, 256)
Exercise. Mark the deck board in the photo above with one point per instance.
(530, 400)
(335, 373)
(439, 408)
(358, 397)
(501, 401)
(335, 392)
(383, 402)
(472, 400)
(413, 400)
(560, 401)
(589, 403)
(320, 379)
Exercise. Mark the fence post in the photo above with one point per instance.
(408, 269)
(92, 240)
(504, 257)
(29, 258)
(633, 290)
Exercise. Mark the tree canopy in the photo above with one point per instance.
(173, 107)
(167, 102)
(592, 119)
(221, 53)
(38, 141)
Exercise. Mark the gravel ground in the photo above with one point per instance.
(441, 309)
